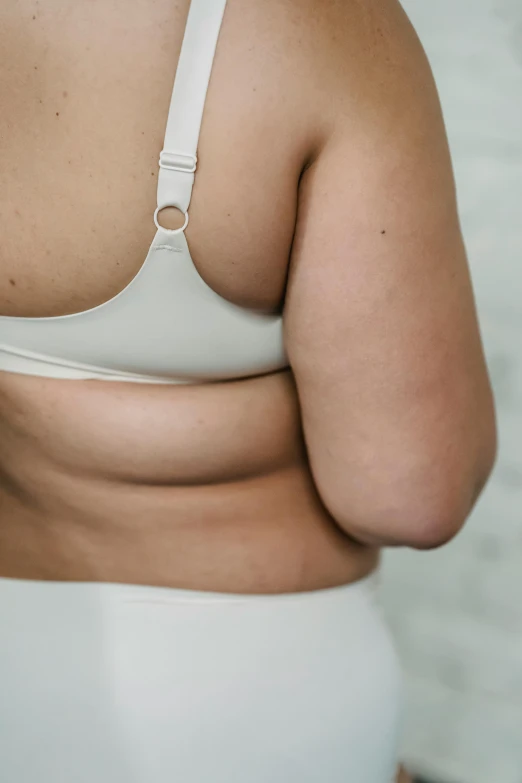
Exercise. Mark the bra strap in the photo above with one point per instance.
(179, 157)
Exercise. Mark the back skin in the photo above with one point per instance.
(325, 189)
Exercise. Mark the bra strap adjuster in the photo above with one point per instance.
(178, 161)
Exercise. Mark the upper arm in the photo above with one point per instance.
(380, 321)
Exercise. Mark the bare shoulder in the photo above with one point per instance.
(364, 36)
(372, 65)
(333, 60)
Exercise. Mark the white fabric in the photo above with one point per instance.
(120, 684)
(188, 99)
(167, 325)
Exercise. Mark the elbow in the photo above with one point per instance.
(458, 486)
(414, 522)
(447, 514)
(425, 512)
(435, 525)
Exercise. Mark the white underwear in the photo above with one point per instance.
(105, 683)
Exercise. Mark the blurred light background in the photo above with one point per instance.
(457, 612)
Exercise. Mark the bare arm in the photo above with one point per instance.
(380, 320)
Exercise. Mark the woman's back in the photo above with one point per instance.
(209, 486)
(204, 486)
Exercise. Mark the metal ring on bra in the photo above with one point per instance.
(170, 230)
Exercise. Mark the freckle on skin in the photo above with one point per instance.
(12, 281)
(57, 113)
(383, 231)
(65, 94)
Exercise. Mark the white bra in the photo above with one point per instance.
(167, 325)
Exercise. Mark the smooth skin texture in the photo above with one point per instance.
(380, 321)
(322, 121)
